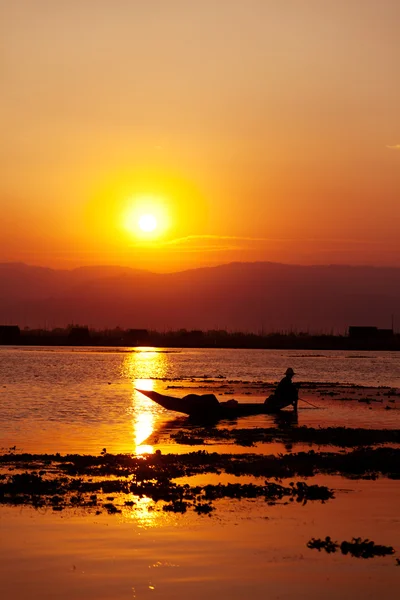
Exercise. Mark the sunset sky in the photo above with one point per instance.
(240, 129)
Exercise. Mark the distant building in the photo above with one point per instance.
(9, 334)
(369, 333)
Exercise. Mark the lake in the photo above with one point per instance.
(84, 401)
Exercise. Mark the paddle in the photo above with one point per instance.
(307, 402)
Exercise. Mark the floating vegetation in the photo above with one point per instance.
(103, 482)
(335, 436)
(66, 492)
(364, 463)
(358, 547)
(111, 508)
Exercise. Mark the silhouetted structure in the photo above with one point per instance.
(359, 338)
(369, 333)
(9, 334)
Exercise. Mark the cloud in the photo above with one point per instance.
(214, 243)
(215, 238)
(395, 147)
(206, 243)
(200, 244)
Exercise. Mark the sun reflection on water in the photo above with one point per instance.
(143, 427)
(145, 512)
(143, 368)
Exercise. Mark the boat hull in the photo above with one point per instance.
(208, 406)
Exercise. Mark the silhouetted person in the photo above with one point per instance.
(286, 393)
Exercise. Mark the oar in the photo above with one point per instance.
(307, 402)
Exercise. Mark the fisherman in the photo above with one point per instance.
(285, 394)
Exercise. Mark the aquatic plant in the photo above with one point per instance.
(100, 483)
(335, 436)
(358, 547)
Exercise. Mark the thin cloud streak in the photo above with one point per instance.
(190, 238)
(395, 147)
(208, 243)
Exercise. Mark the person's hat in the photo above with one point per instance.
(290, 371)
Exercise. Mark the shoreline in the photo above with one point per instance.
(314, 343)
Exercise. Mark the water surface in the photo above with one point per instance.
(84, 399)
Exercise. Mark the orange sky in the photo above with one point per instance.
(258, 130)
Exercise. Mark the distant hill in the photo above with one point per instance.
(235, 296)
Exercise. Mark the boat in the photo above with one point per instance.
(207, 405)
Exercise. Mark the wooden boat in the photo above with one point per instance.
(207, 405)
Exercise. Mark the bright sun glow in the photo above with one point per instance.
(145, 217)
(147, 223)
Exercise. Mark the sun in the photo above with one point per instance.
(147, 223)
(145, 217)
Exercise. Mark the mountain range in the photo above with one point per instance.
(250, 297)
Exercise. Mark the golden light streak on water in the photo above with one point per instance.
(144, 513)
(143, 427)
(144, 368)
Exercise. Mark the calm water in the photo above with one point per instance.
(81, 400)
(248, 551)
(84, 399)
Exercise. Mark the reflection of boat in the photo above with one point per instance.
(207, 405)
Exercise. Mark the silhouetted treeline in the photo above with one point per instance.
(182, 338)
